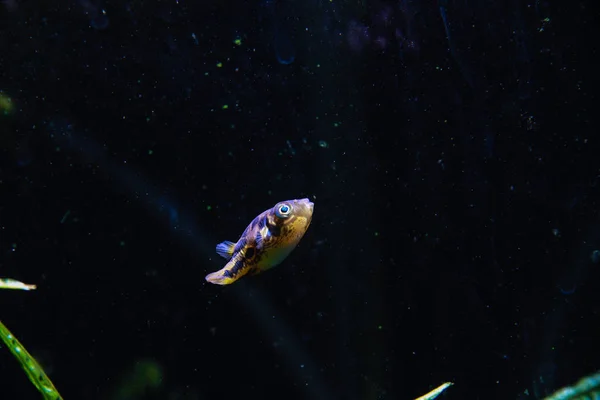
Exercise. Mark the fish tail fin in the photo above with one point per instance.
(220, 277)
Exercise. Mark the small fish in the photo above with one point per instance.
(266, 242)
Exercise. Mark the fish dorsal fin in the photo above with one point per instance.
(225, 249)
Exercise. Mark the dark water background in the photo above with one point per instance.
(450, 148)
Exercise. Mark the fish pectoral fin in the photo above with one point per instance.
(259, 241)
(225, 249)
(265, 233)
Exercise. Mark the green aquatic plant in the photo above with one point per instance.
(7, 283)
(36, 374)
(435, 392)
(148, 374)
(587, 388)
(144, 377)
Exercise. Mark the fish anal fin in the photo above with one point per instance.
(230, 273)
(220, 278)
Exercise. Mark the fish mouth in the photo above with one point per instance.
(309, 204)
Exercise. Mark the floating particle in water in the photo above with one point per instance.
(237, 41)
(195, 38)
(100, 21)
(150, 152)
(544, 23)
(122, 243)
(290, 148)
(595, 256)
(556, 232)
(64, 218)
(323, 144)
(97, 15)
(219, 64)
(225, 107)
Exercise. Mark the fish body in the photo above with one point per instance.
(266, 242)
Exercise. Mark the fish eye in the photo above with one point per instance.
(249, 253)
(283, 211)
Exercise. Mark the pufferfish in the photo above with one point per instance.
(266, 242)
